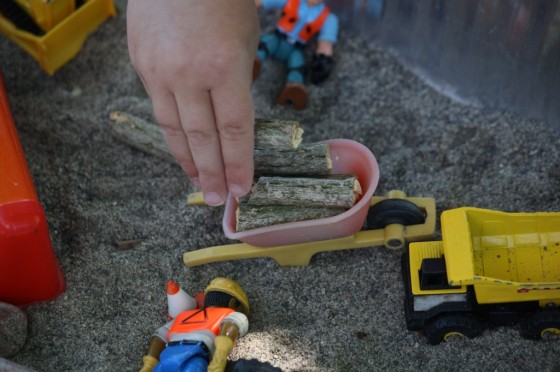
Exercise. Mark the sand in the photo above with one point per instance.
(344, 311)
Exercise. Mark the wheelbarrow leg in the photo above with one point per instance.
(286, 255)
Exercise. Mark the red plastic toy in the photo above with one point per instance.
(29, 270)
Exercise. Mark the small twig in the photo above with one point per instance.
(128, 244)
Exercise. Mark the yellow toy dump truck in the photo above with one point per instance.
(52, 31)
(491, 268)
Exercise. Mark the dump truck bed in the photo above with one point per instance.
(488, 248)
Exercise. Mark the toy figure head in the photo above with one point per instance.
(223, 292)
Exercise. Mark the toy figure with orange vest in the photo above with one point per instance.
(301, 20)
(202, 333)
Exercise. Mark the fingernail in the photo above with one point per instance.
(236, 190)
(213, 199)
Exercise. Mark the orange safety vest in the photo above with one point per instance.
(289, 19)
(208, 319)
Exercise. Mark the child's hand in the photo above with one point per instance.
(195, 59)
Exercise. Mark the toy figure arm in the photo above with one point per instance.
(233, 326)
(157, 344)
(163, 331)
(325, 47)
(329, 30)
(322, 63)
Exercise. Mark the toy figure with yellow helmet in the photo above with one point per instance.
(202, 333)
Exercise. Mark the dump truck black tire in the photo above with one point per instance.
(542, 324)
(452, 324)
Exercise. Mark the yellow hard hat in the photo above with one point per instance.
(224, 292)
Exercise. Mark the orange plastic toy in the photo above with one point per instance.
(29, 270)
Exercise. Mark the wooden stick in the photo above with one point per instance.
(147, 137)
(277, 133)
(140, 134)
(307, 159)
(252, 217)
(336, 191)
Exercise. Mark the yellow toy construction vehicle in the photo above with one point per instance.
(52, 31)
(492, 268)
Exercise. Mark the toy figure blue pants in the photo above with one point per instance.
(183, 358)
(276, 46)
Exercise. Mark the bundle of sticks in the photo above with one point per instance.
(293, 181)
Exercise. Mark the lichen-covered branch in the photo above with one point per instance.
(147, 136)
(335, 191)
(308, 160)
(140, 134)
(252, 217)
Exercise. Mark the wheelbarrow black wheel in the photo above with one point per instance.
(447, 326)
(394, 211)
(542, 325)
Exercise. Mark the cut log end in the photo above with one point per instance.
(277, 133)
(118, 117)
